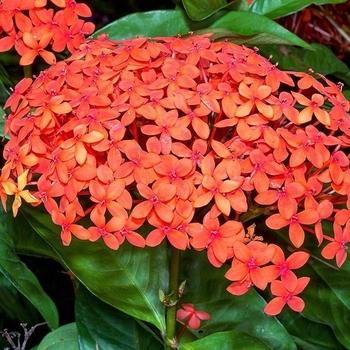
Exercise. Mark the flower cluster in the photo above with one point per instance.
(30, 26)
(193, 138)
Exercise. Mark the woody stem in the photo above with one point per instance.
(174, 269)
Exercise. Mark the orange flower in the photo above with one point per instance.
(249, 260)
(337, 247)
(214, 186)
(106, 197)
(295, 222)
(129, 232)
(37, 48)
(157, 200)
(284, 266)
(255, 96)
(67, 222)
(19, 192)
(217, 239)
(285, 198)
(106, 230)
(313, 107)
(168, 126)
(285, 295)
(170, 230)
(260, 165)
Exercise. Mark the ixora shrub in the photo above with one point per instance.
(205, 145)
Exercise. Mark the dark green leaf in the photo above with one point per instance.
(255, 40)
(226, 341)
(15, 305)
(280, 8)
(248, 23)
(101, 324)
(63, 338)
(127, 279)
(148, 24)
(206, 289)
(198, 10)
(5, 77)
(327, 298)
(308, 334)
(320, 59)
(18, 273)
(346, 94)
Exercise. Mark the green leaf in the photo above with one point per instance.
(226, 341)
(220, 34)
(248, 23)
(15, 305)
(63, 338)
(127, 279)
(320, 59)
(206, 289)
(18, 273)
(308, 334)
(148, 24)
(241, 27)
(327, 298)
(101, 324)
(280, 8)
(198, 10)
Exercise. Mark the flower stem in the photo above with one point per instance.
(172, 296)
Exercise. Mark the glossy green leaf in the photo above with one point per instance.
(249, 23)
(62, 338)
(226, 341)
(327, 298)
(241, 27)
(101, 324)
(280, 8)
(198, 10)
(320, 59)
(5, 78)
(347, 93)
(18, 273)
(206, 289)
(308, 334)
(149, 24)
(15, 305)
(127, 279)
(255, 40)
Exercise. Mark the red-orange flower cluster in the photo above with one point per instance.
(33, 28)
(194, 138)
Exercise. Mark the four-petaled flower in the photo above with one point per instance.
(286, 295)
(337, 248)
(192, 316)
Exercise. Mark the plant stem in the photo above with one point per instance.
(172, 295)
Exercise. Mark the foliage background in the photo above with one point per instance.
(14, 308)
